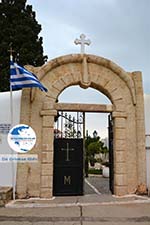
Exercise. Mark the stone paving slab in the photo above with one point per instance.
(70, 211)
(75, 223)
(95, 198)
(124, 210)
(40, 223)
(64, 223)
(115, 223)
(17, 223)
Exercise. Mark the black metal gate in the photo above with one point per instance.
(68, 167)
(68, 159)
(111, 155)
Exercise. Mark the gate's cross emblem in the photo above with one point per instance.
(67, 151)
(82, 41)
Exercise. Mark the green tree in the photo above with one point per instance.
(93, 145)
(93, 148)
(19, 30)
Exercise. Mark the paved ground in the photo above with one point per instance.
(80, 214)
(100, 183)
(91, 209)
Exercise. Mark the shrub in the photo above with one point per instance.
(95, 171)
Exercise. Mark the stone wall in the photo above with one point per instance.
(38, 110)
(5, 195)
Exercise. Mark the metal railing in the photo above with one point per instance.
(68, 125)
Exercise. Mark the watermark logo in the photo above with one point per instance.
(21, 138)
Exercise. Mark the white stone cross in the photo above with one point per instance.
(67, 151)
(82, 41)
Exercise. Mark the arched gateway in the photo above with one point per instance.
(38, 109)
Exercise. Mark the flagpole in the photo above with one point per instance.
(11, 98)
(11, 117)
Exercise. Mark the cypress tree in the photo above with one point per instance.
(19, 30)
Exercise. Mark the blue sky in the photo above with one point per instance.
(119, 30)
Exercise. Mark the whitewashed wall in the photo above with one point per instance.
(5, 121)
(147, 126)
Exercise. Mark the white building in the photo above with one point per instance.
(7, 168)
(147, 132)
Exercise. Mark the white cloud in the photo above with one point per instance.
(119, 30)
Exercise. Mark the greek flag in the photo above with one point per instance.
(22, 78)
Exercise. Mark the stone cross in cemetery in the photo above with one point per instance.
(82, 41)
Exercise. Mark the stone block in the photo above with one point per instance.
(46, 193)
(54, 75)
(111, 86)
(5, 195)
(120, 179)
(48, 105)
(34, 178)
(119, 114)
(48, 112)
(120, 156)
(47, 136)
(120, 122)
(63, 69)
(120, 133)
(94, 78)
(120, 168)
(21, 193)
(46, 147)
(117, 95)
(48, 121)
(47, 169)
(93, 69)
(47, 157)
(33, 190)
(120, 105)
(120, 190)
(120, 145)
(68, 79)
(46, 181)
(75, 71)
(102, 80)
(22, 175)
(59, 84)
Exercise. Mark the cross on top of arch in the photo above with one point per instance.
(82, 41)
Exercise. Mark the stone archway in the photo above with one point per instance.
(38, 110)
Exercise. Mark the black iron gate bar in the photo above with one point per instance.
(111, 154)
(61, 125)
